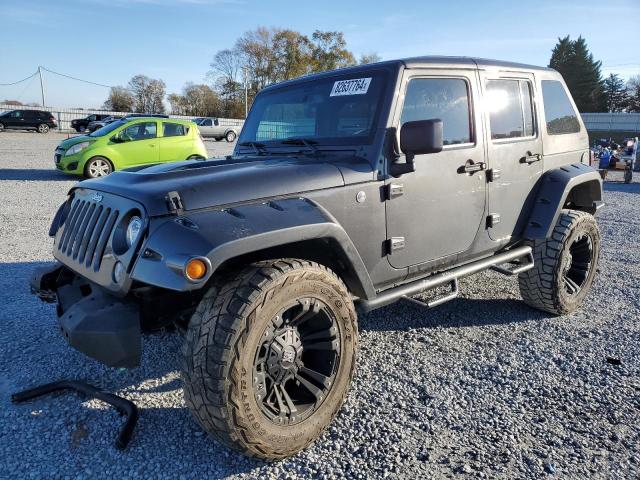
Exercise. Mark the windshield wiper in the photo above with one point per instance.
(257, 146)
(311, 144)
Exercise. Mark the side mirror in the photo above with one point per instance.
(421, 137)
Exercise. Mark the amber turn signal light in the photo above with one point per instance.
(195, 269)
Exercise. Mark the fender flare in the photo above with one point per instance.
(578, 183)
(221, 235)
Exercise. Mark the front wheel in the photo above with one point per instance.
(97, 167)
(43, 128)
(565, 264)
(230, 136)
(269, 356)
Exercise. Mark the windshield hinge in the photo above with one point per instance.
(174, 203)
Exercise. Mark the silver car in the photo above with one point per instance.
(211, 127)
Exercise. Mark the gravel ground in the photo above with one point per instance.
(482, 386)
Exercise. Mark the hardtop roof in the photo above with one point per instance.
(436, 61)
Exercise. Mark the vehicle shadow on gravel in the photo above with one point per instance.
(461, 312)
(35, 174)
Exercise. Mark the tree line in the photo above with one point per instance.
(258, 58)
(265, 56)
(590, 91)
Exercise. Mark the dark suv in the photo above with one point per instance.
(349, 189)
(81, 124)
(38, 120)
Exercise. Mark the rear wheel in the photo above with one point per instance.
(230, 136)
(97, 167)
(43, 128)
(565, 264)
(269, 356)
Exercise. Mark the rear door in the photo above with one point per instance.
(514, 149)
(31, 118)
(175, 144)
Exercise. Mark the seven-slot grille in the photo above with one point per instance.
(86, 232)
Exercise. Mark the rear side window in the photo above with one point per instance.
(559, 114)
(174, 129)
(443, 98)
(510, 104)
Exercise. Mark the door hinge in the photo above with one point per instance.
(493, 174)
(396, 243)
(394, 190)
(493, 220)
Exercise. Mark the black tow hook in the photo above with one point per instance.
(124, 406)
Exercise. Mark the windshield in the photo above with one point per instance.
(107, 129)
(332, 111)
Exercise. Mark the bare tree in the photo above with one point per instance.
(148, 94)
(119, 100)
(369, 58)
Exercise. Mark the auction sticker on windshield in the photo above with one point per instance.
(356, 86)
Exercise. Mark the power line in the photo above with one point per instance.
(19, 81)
(77, 79)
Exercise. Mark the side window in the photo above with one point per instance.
(91, 118)
(510, 104)
(207, 123)
(559, 114)
(139, 131)
(173, 129)
(216, 123)
(443, 98)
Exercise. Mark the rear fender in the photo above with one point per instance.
(577, 185)
(220, 236)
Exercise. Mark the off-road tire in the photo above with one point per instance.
(220, 348)
(543, 287)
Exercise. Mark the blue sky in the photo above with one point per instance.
(109, 41)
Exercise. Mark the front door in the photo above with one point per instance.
(438, 208)
(139, 144)
(514, 148)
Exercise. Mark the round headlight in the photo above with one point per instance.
(133, 230)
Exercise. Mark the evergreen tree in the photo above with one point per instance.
(581, 73)
(615, 93)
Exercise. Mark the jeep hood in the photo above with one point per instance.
(216, 182)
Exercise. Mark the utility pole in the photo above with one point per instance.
(246, 96)
(41, 84)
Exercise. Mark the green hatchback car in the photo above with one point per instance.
(128, 143)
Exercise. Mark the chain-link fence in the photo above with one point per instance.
(64, 116)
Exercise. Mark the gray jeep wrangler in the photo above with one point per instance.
(347, 190)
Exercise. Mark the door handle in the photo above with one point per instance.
(471, 167)
(531, 158)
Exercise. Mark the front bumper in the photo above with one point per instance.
(92, 321)
(72, 164)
